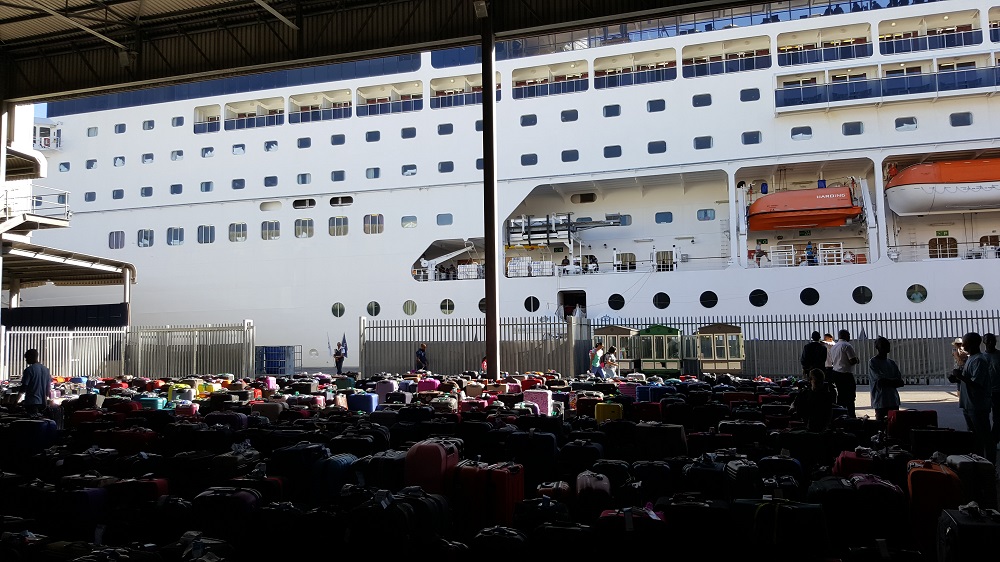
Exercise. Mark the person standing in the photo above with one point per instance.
(958, 356)
(595, 360)
(611, 362)
(813, 355)
(421, 363)
(36, 384)
(843, 358)
(814, 405)
(974, 396)
(828, 365)
(338, 357)
(885, 380)
(990, 342)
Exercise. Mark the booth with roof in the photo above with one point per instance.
(623, 338)
(719, 349)
(659, 350)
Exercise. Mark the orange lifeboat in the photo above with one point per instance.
(803, 208)
(945, 187)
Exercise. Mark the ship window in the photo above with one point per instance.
(304, 142)
(482, 305)
(702, 143)
(583, 219)
(372, 173)
(373, 308)
(568, 115)
(177, 122)
(531, 304)
(208, 152)
(758, 297)
(337, 309)
(701, 100)
(989, 240)
(708, 299)
(239, 149)
(570, 155)
(973, 292)
(445, 129)
(963, 119)
(148, 125)
(91, 164)
(653, 106)
(270, 146)
(239, 183)
(338, 226)
(238, 232)
(270, 181)
(303, 203)
(408, 221)
(119, 128)
(146, 191)
(529, 120)
(303, 228)
(612, 110)
(409, 169)
(656, 147)
(906, 123)
(270, 230)
(147, 158)
(750, 94)
(373, 136)
(479, 125)
(583, 198)
(116, 239)
(942, 248)
(661, 300)
(176, 189)
(303, 179)
(529, 159)
(751, 137)
(409, 308)
(614, 151)
(119, 161)
(176, 155)
(809, 296)
(61, 199)
(338, 175)
(447, 306)
(342, 201)
(916, 293)
(623, 220)
(118, 194)
(480, 163)
(64, 166)
(802, 133)
(144, 238)
(374, 224)
(206, 234)
(446, 167)
(852, 128)
(664, 217)
(175, 236)
(862, 295)
(90, 196)
(616, 302)
(338, 139)
(408, 132)
(706, 214)
(445, 219)
(91, 131)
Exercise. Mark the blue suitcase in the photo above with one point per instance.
(658, 392)
(362, 402)
(152, 402)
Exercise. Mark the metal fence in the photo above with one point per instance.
(150, 351)
(921, 342)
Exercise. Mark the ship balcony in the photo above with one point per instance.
(931, 42)
(881, 89)
(826, 254)
(715, 67)
(630, 78)
(824, 54)
(945, 252)
(685, 262)
(526, 90)
(254, 121)
(387, 107)
(47, 143)
(324, 114)
(459, 99)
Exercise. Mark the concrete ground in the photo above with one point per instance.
(943, 398)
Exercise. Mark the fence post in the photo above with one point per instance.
(362, 367)
(572, 332)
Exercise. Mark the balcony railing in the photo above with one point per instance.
(726, 66)
(825, 54)
(458, 100)
(207, 127)
(254, 122)
(550, 89)
(930, 42)
(385, 108)
(887, 87)
(47, 143)
(943, 253)
(635, 77)
(315, 115)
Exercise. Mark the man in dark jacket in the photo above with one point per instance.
(814, 405)
(36, 384)
(813, 355)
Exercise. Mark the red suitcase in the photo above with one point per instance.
(850, 462)
(933, 487)
(134, 492)
(902, 421)
(647, 411)
(430, 463)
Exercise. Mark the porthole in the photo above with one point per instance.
(809, 296)
(661, 300)
(709, 299)
(862, 295)
(337, 309)
(758, 297)
(530, 304)
(373, 308)
(482, 306)
(616, 302)
(447, 306)
(916, 293)
(409, 308)
(973, 292)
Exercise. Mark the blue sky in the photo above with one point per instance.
(41, 109)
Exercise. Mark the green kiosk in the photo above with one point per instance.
(660, 350)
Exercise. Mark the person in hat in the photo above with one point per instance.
(959, 355)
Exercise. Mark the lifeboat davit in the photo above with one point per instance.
(803, 208)
(945, 187)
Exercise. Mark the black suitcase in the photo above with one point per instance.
(655, 479)
(578, 455)
(967, 535)
(660, 440)
(706, 477)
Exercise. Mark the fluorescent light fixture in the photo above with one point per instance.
(480, 7)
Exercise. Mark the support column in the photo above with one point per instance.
(492, 270)
(15, 293)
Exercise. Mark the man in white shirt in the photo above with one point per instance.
(843, 358)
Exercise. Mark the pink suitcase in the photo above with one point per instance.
(431, 463)
(542, 397)
(186, 410)
(427, 384)
(472, 405)
(628, 388)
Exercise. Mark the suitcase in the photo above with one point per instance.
(592, 495)
(385, 387)
(541, 397)
(558, 490)
(398, 397)
(781, 487)
(700, 516)
(781, 465)
(933, 487)
(660, 440)
(780, 529)
(532, 512)
(744, 480)
(926, 442)
(647, 411)
(234, 420)
(426, 384)
(188, 410)
(385, 470)
(978, 476)
(625, 523)
(850, 462)
(365, 402)
(860, 509)
(706, 477)
(605, 411)
(430, 464)
(329, 475)
(965, 535)
(152, 402)
(134, 492)
(900, 422)
(744, 432)
(700, 442)
(217, 507)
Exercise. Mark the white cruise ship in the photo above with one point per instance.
(809, 159)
